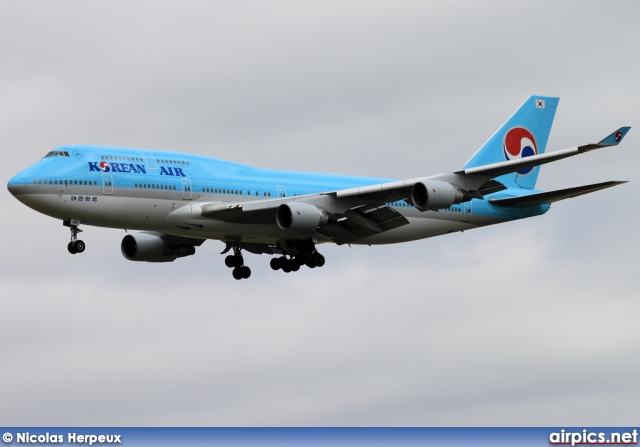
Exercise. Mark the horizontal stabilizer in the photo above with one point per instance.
(551, 196)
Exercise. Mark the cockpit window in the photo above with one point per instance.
(57, 154)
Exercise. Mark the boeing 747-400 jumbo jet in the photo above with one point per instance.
(179, 200)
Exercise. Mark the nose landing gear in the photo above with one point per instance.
(76, 245)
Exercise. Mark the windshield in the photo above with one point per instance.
(57, 154)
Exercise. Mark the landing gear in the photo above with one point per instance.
(306, 255)
(243, 272)
(236, 262)
(76, 245)
(293, 255)
(287, 265)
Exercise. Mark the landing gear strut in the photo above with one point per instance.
(76, 245)
(236, 262)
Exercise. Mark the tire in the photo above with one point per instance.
(245, 271)
(71, 248)
(79, 246)
(318, 259)
(229, 261)
(237, 273)
(274, 263)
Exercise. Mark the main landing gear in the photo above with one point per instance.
(295, 254)
(76, 245)
(236, 262)
(306, 255)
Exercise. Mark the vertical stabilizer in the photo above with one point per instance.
(524, 134)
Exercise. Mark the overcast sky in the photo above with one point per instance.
(528, 323)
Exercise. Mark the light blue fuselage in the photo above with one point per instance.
(157, 191)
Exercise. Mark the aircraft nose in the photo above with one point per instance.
(16, 185)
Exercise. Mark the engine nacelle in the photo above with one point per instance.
(150, 247)
(298, 216)
(434, 194)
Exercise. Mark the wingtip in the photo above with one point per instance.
(616, 137)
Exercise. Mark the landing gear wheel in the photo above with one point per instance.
(76, 245)
(236, 261)
(275, 263)
(318, 259)
(79, 246)
(295, 265)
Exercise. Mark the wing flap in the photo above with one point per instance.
(363, 222)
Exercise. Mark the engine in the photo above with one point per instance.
(151, 247)
(434, 194)
(298, 216)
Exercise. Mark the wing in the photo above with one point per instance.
(474, 177)
(350, 214)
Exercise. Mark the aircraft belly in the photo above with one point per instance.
(102, 210)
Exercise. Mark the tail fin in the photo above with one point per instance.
(524, 134)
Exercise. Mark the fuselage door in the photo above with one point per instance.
(186, 188)
(466, 211)
(107, 183)
(149, 159)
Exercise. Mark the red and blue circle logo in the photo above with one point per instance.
(618, 136)
(104, 166)
(519, 143)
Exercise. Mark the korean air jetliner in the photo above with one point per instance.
(178, 200)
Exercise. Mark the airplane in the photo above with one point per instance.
(178, 200)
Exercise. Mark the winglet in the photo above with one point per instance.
(612, 140)
(615, 138)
